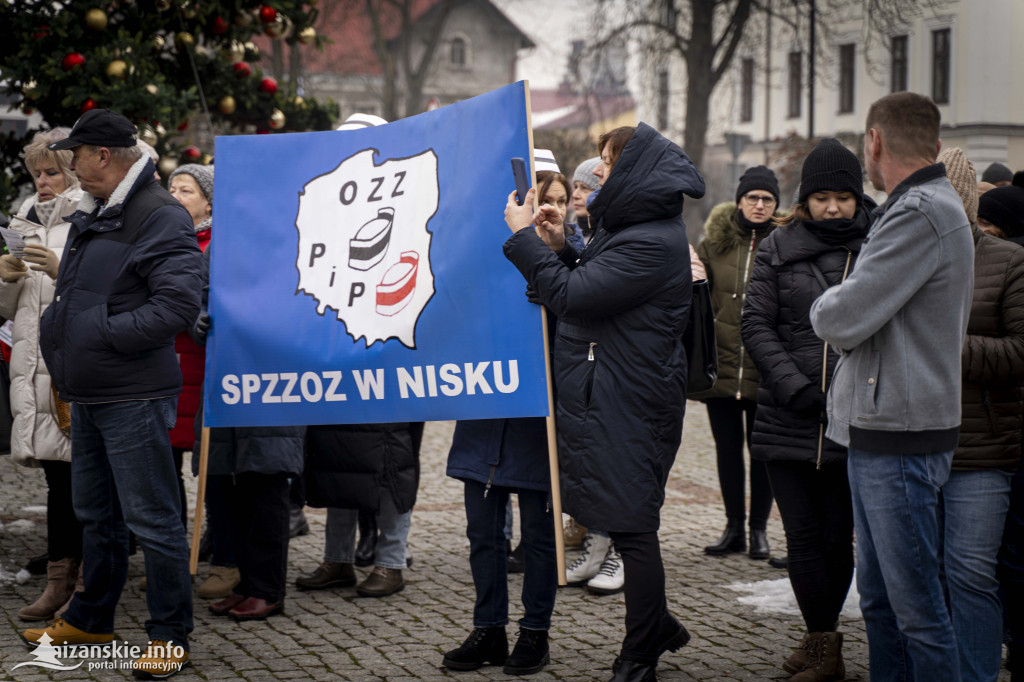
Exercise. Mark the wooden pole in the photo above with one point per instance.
(197, 529)
(556, 492)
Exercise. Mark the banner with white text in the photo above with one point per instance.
(358, 277)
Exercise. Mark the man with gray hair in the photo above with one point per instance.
(129, 281)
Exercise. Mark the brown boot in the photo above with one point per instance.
(824, 659)
(381, 582)
(60, 583)
(79, 587)
(797, 660)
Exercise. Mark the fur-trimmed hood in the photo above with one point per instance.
(722, 231)
(142, 168)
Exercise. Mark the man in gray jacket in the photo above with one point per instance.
(900, 320)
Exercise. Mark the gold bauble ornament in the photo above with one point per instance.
(167, 165)
(206, 160)
(159, 42)
(298, 102)
(184, 40)
(252, 53)
(152, 89)
(31, 89)
(160, 130)
(243, 19)
(117, 68)
(279, 28)
(96, 19)
(147, 135)
(277, 119)
(188, 9)
(233, 53)
(307, 36)
(227, 105)
(163, 5)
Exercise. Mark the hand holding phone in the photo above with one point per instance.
(521, 179)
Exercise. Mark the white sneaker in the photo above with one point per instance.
(611, 576)
(595, 548)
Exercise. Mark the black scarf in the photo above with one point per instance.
(748, 226)
(840, 231)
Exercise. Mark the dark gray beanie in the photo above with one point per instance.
(1004, 208)
(203, 175)
(997, 172)
(831, 167)
(758, 177)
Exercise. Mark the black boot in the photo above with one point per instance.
(484, 646)
(779, 562)
(624, 670)
(672, 636)
(759, 548)
(366, 550)
(297, 524)
(206, 545)
(530, 654)
(517, 559)
(733, 540)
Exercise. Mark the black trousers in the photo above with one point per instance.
(63, 530)
(258, 508)
(644, 592)
(726, 416)
(818, 517)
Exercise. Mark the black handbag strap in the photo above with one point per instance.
(820, 275)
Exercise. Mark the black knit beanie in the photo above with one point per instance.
(997, 172)
(1004, 208)
(831, 167)
(758, 177)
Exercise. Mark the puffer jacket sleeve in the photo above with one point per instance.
(779, 373)
(170, 261)
(617, 279)
(10, 292)
(1000, 359)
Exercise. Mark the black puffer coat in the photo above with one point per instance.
(351, 466)
(620, 366)
(993, 359)
(778, 337)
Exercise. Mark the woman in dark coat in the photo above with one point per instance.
(495, 458)
(813, 248)
(620, 365)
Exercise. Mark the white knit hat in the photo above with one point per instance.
(544, 160)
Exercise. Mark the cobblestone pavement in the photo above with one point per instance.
(333, 635)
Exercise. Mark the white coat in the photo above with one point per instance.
(35, 434)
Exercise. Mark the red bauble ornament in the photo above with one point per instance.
(87, 105)
(191, 152)
(183, 125)
(42, 32)
(72, 60)
(262, 131)
(220, 25)
(268, 86)
(242, 69)
(268, 14)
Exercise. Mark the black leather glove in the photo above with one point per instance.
(809, 401)
(531, 295)
(201, 328)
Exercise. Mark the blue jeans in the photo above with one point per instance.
(393, 533)
(895, 511)
(485, 528)
(972, 508)
(125, 479)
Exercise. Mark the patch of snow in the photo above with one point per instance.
(776, 596)
(22, 577)
(21, 526)
(36, 509)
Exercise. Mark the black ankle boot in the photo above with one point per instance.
(530, 654)
(733, 540)
(625, 670)
(759, 548)
(366, 549)
(484, 646)
(672, 635)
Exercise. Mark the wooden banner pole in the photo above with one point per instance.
(197, 529)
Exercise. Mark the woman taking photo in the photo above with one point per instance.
(26, 291)
(620, 365)
(814, 248)
(496, 458)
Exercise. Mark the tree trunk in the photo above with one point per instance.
(699, 87)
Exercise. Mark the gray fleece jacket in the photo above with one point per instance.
(900, 320)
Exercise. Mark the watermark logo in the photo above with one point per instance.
(164, 658)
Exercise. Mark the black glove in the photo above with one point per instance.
(531, 295)
(809, 401)
(201, 328)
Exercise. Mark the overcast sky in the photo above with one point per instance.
(553, 25)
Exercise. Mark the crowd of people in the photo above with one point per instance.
(870, 359)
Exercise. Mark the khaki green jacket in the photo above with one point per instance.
(728, 252)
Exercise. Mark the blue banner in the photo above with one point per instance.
(357, 276)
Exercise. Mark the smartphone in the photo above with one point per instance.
(521, 178)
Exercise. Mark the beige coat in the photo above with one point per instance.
(35, 434)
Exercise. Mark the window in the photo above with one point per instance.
(898, 68)
(795, 83)
(747, 91)
(662, 100)
(940, 66)
(846, 55)
(457, 52)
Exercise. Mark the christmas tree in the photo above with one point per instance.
(162, 63)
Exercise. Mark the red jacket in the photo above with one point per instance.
(192, 359)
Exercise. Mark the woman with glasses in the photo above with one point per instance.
(733, 233)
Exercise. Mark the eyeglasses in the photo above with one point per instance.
(753, 199)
